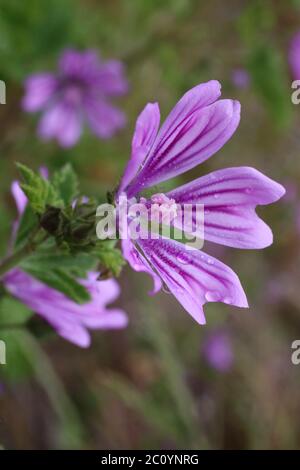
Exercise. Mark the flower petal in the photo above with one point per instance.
(194, 140)
(68, 318)
(39, 89)
(196, 98)
(106, 291)
(63, 122)
(77, 64)
(111, 78)
(112, 319)
(146, 128)
(197, 127)
(103, 118)
(76, 334)
(294, 56)
(19, 197)
(218, 351)
(139, 263)
(230, 197)
(193, 277)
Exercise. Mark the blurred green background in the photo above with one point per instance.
(150, 385)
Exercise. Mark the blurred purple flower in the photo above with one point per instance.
(197, 127)
(217, 350)
(79, 92)
(294, 56)
(240, 78)
(69, 319)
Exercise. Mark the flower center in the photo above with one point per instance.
(73, 94)
(162, 209)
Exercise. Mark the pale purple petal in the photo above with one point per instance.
(73, 333)
(61, 122)
(70, 62)
(146, 129)
(111, 78)
(69, 319)
(240, 78)
(44, 172)
(81, 88)
(139, 263)
(79, 64)
(194, 138)
(106, 291)
(294, 56)
(192, 276)
(19, 197)
(217, 350)
(39, 89)
(194, 99)
(103, 118)
(230, 197)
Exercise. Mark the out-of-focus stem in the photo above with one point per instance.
(15, 258)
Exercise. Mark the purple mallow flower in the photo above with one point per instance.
(294, 56)
(79, 92)
(69, 319)
(217, 350)
(197, 127)
(240, 78)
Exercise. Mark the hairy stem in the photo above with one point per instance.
(15, 258)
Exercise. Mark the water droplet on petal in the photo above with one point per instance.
(216, 195)
(210, 261)
(248, 190)
(212, 296)
(183, 258)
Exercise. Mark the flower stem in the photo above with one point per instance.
(12, 326)
(15, 258)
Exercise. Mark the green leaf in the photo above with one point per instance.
(110, 257)
(12, 312)
(60, 269)
(39, 191)
(268, 74)
(17, 366)
(13, 315)
(76, 264)
(65, 182)
(27, 224)
(264, 61)
(62, 281)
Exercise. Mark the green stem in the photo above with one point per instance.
(12, 326)
(14, 259)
